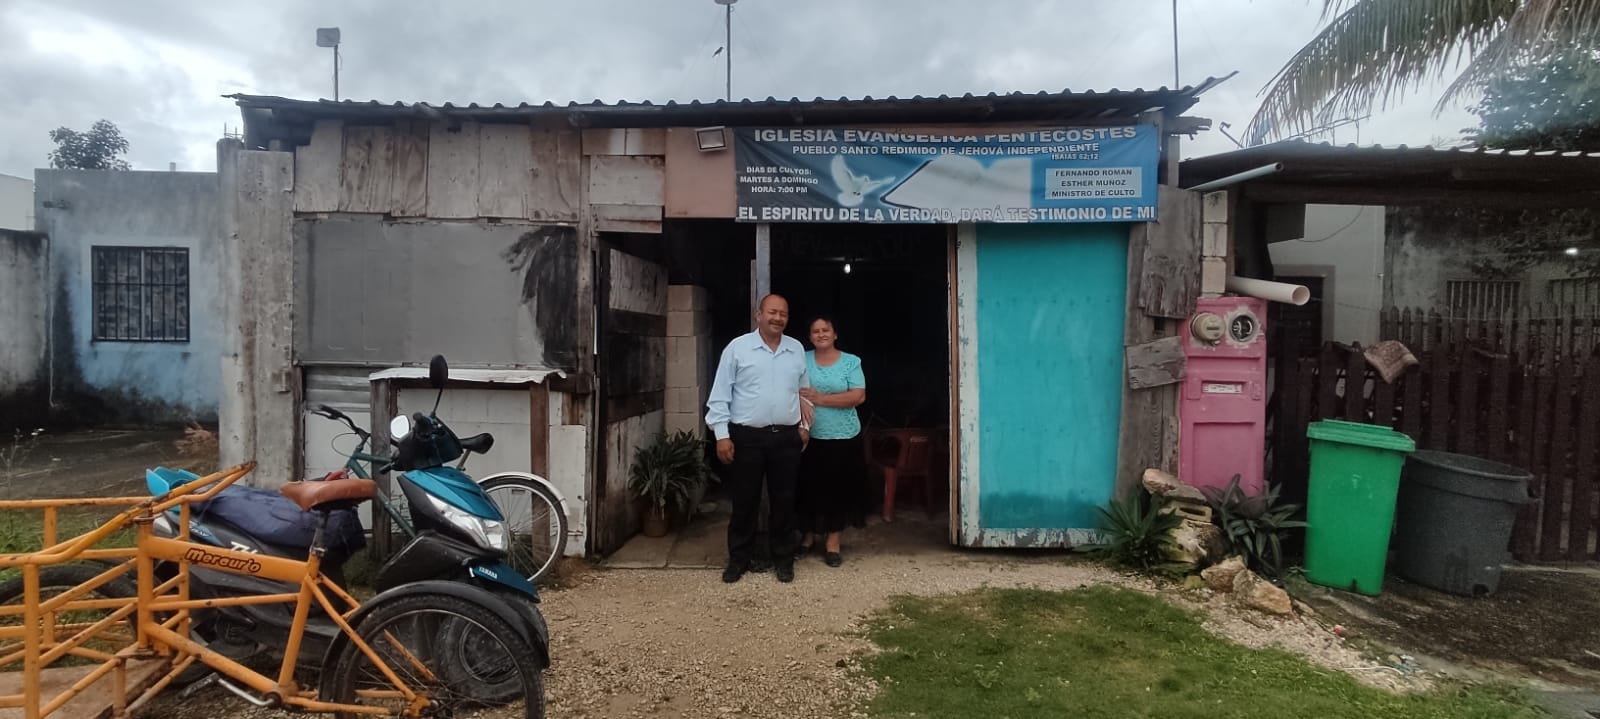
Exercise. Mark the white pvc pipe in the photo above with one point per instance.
(1237, 178)
(1269, 290)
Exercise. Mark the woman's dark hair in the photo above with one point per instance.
(822, 318)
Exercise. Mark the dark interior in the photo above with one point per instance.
(891, 309)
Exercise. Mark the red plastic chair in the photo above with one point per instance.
(908, 454)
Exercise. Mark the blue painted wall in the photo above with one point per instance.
(131, 382)
(1050, 307)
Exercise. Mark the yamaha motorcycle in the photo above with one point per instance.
(459, 534)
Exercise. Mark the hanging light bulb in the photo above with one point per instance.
(847, 268)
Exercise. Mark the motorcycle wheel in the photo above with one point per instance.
(475, 658)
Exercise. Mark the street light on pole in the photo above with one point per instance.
(727, 46)
(329, 37)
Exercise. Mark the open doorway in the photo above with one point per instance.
(886, 287)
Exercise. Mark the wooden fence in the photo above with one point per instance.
(1521, 390)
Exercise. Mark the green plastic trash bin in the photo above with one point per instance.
(1355, 476)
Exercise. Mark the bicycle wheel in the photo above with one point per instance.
(535, 524)
(458, 653)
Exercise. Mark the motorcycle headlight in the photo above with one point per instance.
(488, 533)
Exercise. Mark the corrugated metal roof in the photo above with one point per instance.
(1308, 166)
(272, 117)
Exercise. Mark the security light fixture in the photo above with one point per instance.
(1572, 252)
(711, 138)
(847, 268)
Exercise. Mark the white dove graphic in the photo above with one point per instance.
(853, 188)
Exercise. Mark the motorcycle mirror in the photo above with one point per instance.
(399, 427)
(438, 372)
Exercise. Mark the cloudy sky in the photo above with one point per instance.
(158, 68)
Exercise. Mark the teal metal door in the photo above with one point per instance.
(1041, 341)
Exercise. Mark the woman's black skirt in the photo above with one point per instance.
(833, 486)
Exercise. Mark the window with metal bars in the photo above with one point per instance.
(141, 294)
(1482, 298)
(1574, 291)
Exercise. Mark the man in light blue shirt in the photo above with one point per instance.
(756, 415)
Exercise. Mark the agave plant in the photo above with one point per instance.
(1137, 534)
(1254, 524)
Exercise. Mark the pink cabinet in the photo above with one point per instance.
(1223, 409)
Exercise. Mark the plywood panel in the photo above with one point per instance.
(637, 285)
(1171, 278)
(569, 471)
(453, 171)
(626, 180)
(409, 188)
(605, 141)
(628, 218)
(698, 184)
(1156, 363)
(645, 141)
(316, 168)
(368, 172)
(504, 170)
(556, 179)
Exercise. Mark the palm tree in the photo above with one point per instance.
(1375, 51)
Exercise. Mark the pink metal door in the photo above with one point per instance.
(1223, 407)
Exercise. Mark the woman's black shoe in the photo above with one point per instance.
(832, 559)
(801, 551)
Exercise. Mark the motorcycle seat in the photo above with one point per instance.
(478, 443)
(330, 494)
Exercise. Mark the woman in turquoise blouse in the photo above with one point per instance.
(833, 474)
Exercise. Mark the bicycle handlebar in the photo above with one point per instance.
(334, 414)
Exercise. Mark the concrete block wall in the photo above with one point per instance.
(689, 358)
(1214, 264)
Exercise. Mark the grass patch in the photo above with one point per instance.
(1105, 652)
(22, 531)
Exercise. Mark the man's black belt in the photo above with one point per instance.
(771, 428)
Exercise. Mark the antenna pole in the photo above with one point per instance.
(335, 73)
(1176, 83)
(728, 16)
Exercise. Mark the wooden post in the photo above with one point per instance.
(383, 402)
(539, 429)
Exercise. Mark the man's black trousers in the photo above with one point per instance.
(771, 454)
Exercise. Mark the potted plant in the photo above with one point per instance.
(667, 474)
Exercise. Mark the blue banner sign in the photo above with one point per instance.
(825, 174)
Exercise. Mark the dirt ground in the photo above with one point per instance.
(98, 463)
(680, 643)
(1539, 626)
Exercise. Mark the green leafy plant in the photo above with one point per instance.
(667, 472)
(1137, 534)
(1254, 525)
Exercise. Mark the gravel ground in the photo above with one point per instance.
(680, 643)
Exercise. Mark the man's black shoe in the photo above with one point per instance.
(786, 573)
(733, 572)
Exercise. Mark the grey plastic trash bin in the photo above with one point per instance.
(1453, 521)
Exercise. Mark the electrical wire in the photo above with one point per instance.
(1359, 212)
(698, 57)
(766, 68)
